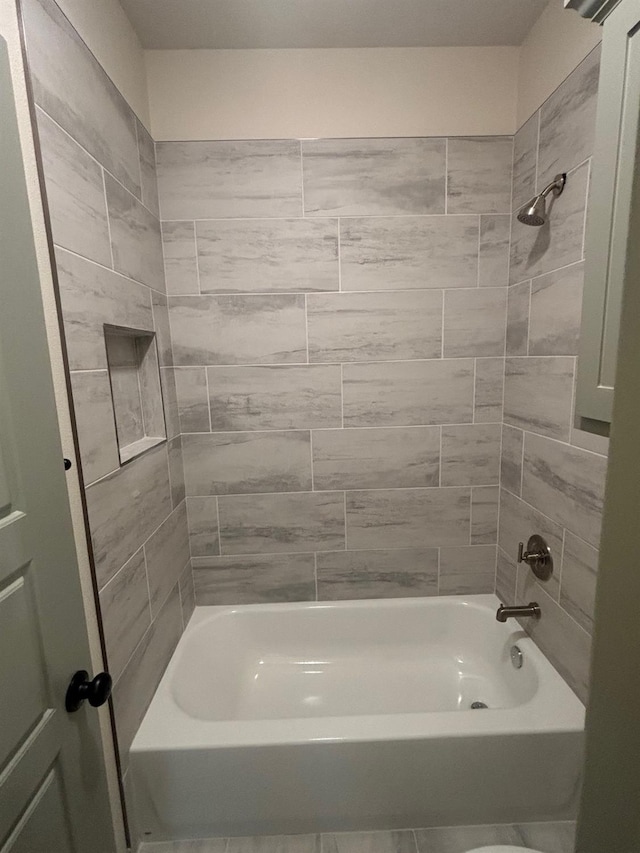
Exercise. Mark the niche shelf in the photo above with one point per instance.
(136, 392)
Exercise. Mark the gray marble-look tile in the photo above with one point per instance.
(134, 690)
(376, 458)
(247, 398)
(495, 233)
(511, 461)
(167, 554)
(568, 120)
(409, 253)
(518, 318)
(75, 194)
(506, 576)
(377, 574)
(229, 179)
(373, 177)
(578, 583)
(237, 463)
(125, 612)
(489, 390)
(180, 261)
(408, 518)
(147, 152)
(150, 388)
(125, 508)
(590, 441)
(268, 256)
(202, 514)
(368, 326)
(485, 501)
(202, 845)
(525, 154)
(460, 839)
(563, 641)
(176, 470)
(238, 329)
(408, 393)
(567, 482)
(556, 312)
(70, 85)
(135, 237)
(402, 841)
(518, 521)
(467, 570)
(163, 331)
(479, 174)
(471, 455)
(559, 241)
(91, 296)
(187, 595)
(538, 394)
(254, 579)
(550, 837)
(193, 399)
(95, 423)
(262, 524)
(127, 404)
(275, 844)
(170, 401)
(475, 322)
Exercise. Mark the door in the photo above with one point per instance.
(53, 783)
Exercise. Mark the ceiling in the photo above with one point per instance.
(174, 24)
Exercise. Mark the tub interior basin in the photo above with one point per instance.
(298, 661)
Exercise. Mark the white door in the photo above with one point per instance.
(53, 787)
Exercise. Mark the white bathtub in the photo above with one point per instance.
(293, 718)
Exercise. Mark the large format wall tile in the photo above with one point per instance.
(474, 322)
(377, 574)
(148, 177)
(403, 253)
(568, 120)
(538, 394)
(489, 390)
(467, 570)
(525, 158)
(246, 398)
(176, 470)
(135, 237)
(556, 309)
(75, 194)
(373, 177)
(268, 256)
(247, 462)
(193, 399)
(518, 302)
(187, 592)
(91, 296)
(567, 482)
(558, 242)
(408, 518)
(479, 174)
(471, 455)
(406, 393)
(215, 180)
(254, 579)
(202, 513)
(73, 89)
(262, 524)
(167, 554)
(95, 423)
(368, 326)
(484, 514)
(511, 461)
(579, 575)
(376, 458)
(125, 508)
(180, 261)
(238, 329)
(493, 269)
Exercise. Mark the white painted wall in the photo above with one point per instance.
(249, 94)
(107, 32)
(556, 44)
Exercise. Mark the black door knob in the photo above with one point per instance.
(96, 692)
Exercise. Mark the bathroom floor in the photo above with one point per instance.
(545, 837)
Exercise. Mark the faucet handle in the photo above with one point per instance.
(537, 556)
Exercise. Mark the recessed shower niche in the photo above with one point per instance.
(136, 393)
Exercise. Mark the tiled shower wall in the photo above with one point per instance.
(552, 474)
(99, 167)
(337, 311)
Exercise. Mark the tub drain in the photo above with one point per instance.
(477, 705)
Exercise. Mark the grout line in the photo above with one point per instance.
(197, 258)
(106, 208)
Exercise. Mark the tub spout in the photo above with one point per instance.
(531, 609)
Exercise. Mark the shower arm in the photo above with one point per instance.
(556, 186)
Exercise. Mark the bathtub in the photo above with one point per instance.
(287, 718)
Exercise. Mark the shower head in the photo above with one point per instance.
(534, 212)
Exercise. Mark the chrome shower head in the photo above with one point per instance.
(534, 212)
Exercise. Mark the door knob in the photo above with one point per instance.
(96, 691)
